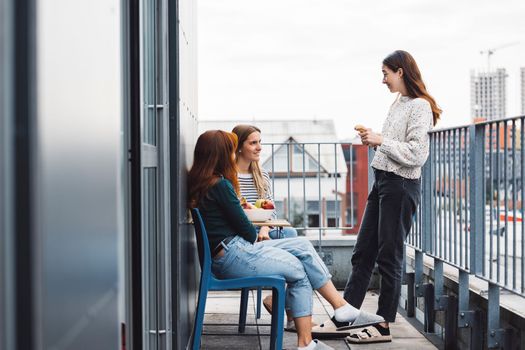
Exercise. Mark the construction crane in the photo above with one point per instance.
(490, 52)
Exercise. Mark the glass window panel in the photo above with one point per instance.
(313, 220)
(333, 208)
(149, 75)
(312, 206)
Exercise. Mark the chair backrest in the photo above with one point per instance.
(203, 244)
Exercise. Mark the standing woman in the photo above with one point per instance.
(401, 150)
(254, 181)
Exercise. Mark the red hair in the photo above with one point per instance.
(213, 158)
(412, 78)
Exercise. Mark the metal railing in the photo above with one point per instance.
(312, 184)
(471, 218)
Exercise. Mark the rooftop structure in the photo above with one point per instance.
(488, 91)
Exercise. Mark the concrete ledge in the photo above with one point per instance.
(336, 252)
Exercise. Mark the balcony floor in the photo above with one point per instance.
(220, 329)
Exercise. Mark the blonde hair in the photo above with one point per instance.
(243, 131)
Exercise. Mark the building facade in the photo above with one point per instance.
(308, 169)
(488, 94)
(357, 183)
(308, 166)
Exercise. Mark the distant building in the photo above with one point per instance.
(310, 171)
(522, 90)
(356, 157)
(488, 94)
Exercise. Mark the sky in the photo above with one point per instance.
(311, 59)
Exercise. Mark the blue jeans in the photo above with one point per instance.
(282, 232)
(294, 259)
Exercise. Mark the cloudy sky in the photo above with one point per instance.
(303, 59)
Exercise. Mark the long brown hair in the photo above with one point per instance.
(243, 131)
(214, 156)
(412, 78)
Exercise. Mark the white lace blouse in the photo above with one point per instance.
(405, 138)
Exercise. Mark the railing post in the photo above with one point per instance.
(477, 214)
(426, 205)
(429, 307)
(418, 273)
(477, 204)
(425, 290)
(451, 322)
(446, 303)
(438, 281)
(411, 300)
(468, 318)
(495, 333)
(371, 176)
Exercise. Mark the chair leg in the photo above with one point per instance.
(276, 336)
(244, 309)
(199, 318)
(259, 302)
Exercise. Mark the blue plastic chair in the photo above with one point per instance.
(210, 282)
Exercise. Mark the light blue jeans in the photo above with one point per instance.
(294, 259)
(282, 232)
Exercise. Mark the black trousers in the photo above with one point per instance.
(387, 220)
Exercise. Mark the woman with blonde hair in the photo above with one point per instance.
(254, 180)
(214, 189)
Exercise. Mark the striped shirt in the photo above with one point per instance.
(249, 191)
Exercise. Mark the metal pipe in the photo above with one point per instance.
(440, 207)
(435, 195)
(514, 200)
(461, 223)
(336, 194)
(506, 199)
(449, 206)
(351, 156)
(498, 180)
(455, 198)
(289, 159)
(305, 205)
(491, 201)
(522, 143)
(321, 219)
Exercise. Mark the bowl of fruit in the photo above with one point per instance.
(261, 211)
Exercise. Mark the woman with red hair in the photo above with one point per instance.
(213, 188)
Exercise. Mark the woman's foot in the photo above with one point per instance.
(333, 328)
(267, 303)
(372, 334)
(316, 345)
(290, 325)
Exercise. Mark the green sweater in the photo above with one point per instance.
(223, 215)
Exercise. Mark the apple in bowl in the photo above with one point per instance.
(264, 204)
